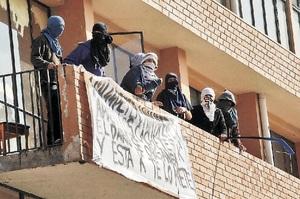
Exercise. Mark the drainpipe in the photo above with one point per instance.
(268, 153)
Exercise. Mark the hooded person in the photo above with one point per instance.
(136, 59)
(92, 54)
(46, 55)
(208, 117)
(173, 100)
(141, 80)
(227, 103)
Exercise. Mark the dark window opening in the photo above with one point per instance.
(282, 160)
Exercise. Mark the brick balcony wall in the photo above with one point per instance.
(220, 171)
(229, 33)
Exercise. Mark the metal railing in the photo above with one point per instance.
(30, 115)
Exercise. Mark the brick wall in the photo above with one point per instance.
(220, 170)
(226, 31)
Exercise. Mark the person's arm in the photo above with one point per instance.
(77, 55)
(222, 126)
(38, 50)
(132, 81)
(150, 85)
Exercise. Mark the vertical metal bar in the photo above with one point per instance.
(32, 109)
(13, 61)
(40, 110)
(49, 109)
(142, 42)
(58, 107)
(276, 21)
(6, 117)
(289, 22)
(252, 12)
(265, 17)
(24, 112)
(115, 64)
(240, 8)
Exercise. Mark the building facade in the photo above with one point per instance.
(249, 47)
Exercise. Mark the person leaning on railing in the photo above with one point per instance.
(141, 79)
(208, 117)
(93, 54)
(46, 54)
(226, 102)
(173, 100)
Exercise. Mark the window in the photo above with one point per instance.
(270, 20)
(259, 19)
(195, 96)
(282, 23)
(247, 11)
(125, 44)
(282, 160)
(296, 25)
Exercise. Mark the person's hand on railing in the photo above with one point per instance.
(52, 66)
(241, 146)
(222, 138)
(139, 90)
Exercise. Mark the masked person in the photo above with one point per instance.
(173, 100)
(141, 80)
(226, 102)
(46, 55)
(92, 54)
(208, 117)
(136, 59)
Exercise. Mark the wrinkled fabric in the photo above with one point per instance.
(231, 119)
(215, 127)
(208, 106)
(41, 57)
(136, 76)
(136, 59)
(54, 29)
(81, 56)
(99, 45)
(99, 50)
(148, 73)
(171, 96)
(151, 56)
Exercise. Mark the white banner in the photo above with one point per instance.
(136, 142)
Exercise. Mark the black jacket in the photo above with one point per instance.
(41, 56)
(171, 101)
(216, 128)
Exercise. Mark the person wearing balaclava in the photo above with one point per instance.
(173, 100)
(136, 59)
(208, 117)
(46, 55)
(92, 54)
(226, 102)
(141, 80)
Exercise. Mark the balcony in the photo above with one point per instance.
(219, 170)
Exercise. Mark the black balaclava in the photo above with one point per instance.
(171, 81)
(99, 42)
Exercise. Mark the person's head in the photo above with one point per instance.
(150, 60)
(171, 81)
(55, 26)
(136, 59)
(207, 97)
(100, 33)
(226, 100)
